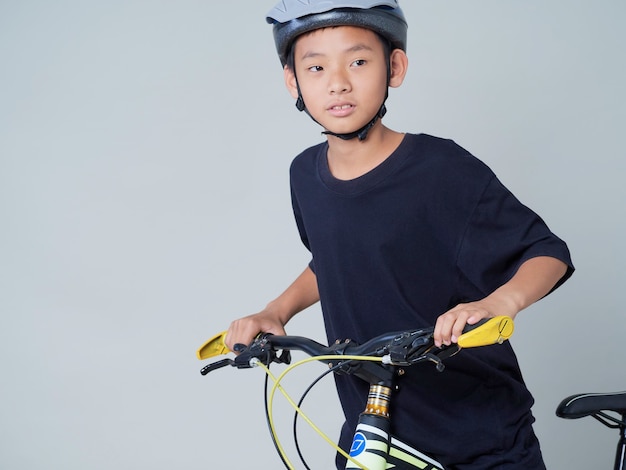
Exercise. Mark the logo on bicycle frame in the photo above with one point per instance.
(359, 443)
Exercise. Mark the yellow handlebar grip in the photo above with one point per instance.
(495, 330)
(214, 346)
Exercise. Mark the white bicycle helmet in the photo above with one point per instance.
(291, 18)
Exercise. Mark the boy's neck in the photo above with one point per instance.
(349, 159)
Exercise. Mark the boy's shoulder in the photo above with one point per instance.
(307, 158)
(312, 150)
(448, 161)
(438, 147)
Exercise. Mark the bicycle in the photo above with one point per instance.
(598, 405)
(379, 361)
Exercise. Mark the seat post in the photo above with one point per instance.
(620, 455)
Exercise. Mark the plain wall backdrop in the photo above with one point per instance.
(144, 204)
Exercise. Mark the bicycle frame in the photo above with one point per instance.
(373, 448)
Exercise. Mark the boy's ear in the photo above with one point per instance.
(399, 66)
(290, 81)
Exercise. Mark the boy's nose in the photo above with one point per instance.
(338, 83)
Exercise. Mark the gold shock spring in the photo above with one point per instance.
(378, 400)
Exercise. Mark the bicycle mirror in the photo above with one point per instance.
(215, 346)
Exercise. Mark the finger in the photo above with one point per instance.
(458, 327)
(443, 329)
(236, 334)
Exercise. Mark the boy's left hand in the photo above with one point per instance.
(450, 325)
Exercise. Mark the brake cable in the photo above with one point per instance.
(277, 386)
(295, 415)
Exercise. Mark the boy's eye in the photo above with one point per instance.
(315, 68)
(359, 62)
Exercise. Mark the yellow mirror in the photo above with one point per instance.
(495, 330)
(213, 347)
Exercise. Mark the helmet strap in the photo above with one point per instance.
(361, 133)
(300, 104)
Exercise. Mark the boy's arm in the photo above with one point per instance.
(302, 293)
(534, 279)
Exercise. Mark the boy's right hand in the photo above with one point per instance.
(244, 330)
(302, 293)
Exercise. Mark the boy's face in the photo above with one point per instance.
(342, 74)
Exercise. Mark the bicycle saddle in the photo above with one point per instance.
(589, 404)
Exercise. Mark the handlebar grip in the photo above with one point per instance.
(494, 330)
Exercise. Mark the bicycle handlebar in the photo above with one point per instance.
(402, 348)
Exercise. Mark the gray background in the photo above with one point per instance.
(144, 203)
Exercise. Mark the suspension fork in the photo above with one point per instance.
(372, 445)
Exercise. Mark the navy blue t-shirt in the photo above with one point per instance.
(427, 229)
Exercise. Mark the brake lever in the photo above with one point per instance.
(260, 349)
(263, 350)
(284, 358)
(418, 346)
(407, 346)
(216, 365)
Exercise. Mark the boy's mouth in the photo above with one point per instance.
(341, 109)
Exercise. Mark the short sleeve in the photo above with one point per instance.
(502, 233)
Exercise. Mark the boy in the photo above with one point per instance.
(406, 231)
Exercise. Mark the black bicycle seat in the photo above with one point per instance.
(589, 404)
